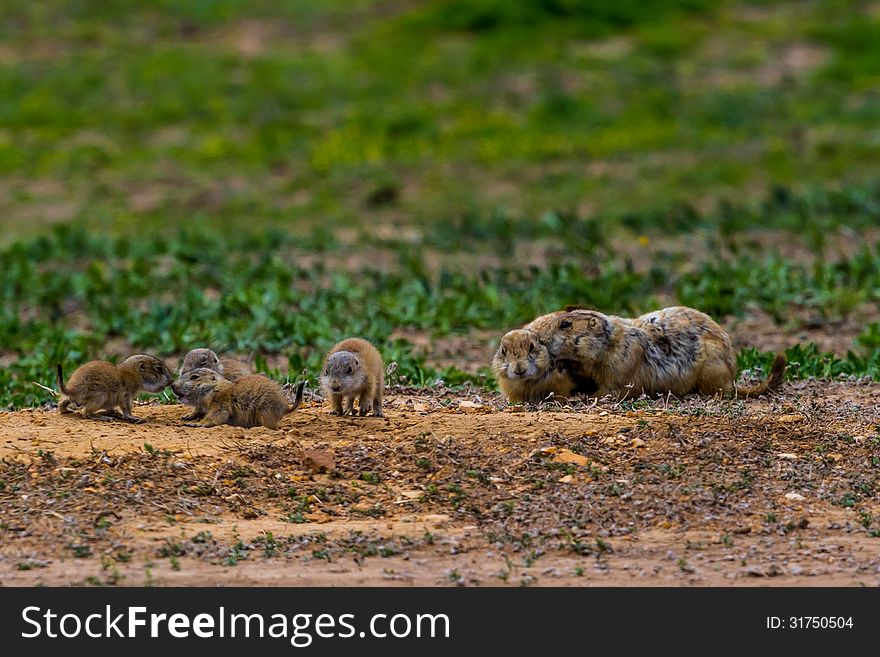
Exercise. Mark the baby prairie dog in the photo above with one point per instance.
(676, 350)
(526, 372)
(229, 368)
(354, 369)
(251, 401)
(99, 387)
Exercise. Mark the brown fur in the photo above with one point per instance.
(229, 368)
(100, 387)
(251, 401)
(234, 369)
(676, 350)
(354, 369)
(525, 372)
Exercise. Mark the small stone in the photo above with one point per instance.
(567, 479)
(567, 456)
(788, 456)
(318, 461)
(790, 418)
(638, 442)
(794, 497)
(470, 407)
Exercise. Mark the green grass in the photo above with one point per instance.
(117, 114)
(268, 177)
(67, 294)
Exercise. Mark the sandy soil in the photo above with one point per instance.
(454, 491)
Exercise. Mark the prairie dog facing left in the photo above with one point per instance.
(353, 369)
(251, 401)
(676, 350)
(99, 387)
(229, 368)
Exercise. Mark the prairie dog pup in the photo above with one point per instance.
(524, 370)
(99, 387)
(251, 401)
(229, 368)
(678, 349)
(354, 369)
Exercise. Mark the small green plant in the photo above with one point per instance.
(80, 551)
(202, 537)
(370, 477)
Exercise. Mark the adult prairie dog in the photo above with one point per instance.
(251, 401)
(100, 387)
(229, 368)
(676, 350)
(353, 369)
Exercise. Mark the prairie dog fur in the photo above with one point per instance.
(251, 401)
(353, 369)
(229, 368)
(525, 371)
(100, 387)
(676, 350)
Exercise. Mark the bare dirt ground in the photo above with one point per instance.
(454, 490)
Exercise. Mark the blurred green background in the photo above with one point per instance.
(268, 177)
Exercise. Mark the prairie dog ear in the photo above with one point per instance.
(594, 323)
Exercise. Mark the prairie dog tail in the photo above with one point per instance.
(299, 397)
(61, 380)
(771, 383)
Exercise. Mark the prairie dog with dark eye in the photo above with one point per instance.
(251, 401)
(99, 387)
(676, 350)
(229, 368)
(525, 371)
(353, 369)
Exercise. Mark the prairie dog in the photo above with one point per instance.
(526, 372)
(229, 368)
(251, 401)
(676, 350)
(354, 369)
(99, 387)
